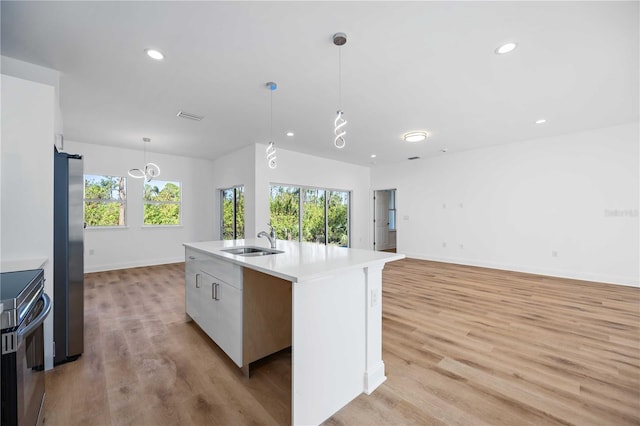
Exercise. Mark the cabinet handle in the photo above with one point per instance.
(198, 280)
(213, 290)
(216, 291)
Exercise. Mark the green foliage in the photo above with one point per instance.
(104, 200)
(162, 206)
(228, 213)
(285, 206)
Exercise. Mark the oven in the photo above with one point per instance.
(25, 308)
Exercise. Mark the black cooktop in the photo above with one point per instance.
(15, 286)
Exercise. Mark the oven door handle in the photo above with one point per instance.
(39, 319)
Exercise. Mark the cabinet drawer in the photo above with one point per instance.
(226, 271)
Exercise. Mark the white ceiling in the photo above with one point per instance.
(406, 66)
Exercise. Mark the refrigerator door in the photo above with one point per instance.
(75, 309)
(68, 257)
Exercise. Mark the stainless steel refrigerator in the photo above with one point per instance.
(68, 257)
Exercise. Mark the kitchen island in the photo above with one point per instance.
(333, 324)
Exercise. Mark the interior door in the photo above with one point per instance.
(381, 237)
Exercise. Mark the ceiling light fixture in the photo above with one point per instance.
(506, 48)
(271, 149)
(155, 54)
(373, 156)
(190, 116)
(339, 39)
(541, 121)
(150, 170)
(290, 134)
(414, 136)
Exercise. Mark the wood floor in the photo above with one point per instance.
(462, 345)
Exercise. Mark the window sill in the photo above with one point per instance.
(161, 226)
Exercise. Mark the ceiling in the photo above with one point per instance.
(406, 66)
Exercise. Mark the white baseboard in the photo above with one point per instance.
(127, 265)
(373, 379)
(626, 281)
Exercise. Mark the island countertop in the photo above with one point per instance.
(300, 261)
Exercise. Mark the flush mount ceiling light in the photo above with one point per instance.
(150, 170)
(290, 134)
(271, 149)
(373, 156)
(154, 54)
(505, 48)
(541, 121)
(414, 136)
(339, 39)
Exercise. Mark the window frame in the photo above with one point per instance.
(178, 203)
(327, 191)
(122, 202)
(235, 189)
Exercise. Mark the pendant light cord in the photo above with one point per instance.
(339, 78)
(271, 115)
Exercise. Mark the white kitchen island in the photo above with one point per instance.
(336, 317)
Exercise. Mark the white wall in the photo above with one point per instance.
(512, 206)
(301, 169)
(26, 175)
(138, 245)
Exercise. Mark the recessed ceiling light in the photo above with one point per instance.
(506, 48)
(414, 136)
(541, 121)
(289, 133)
(155, 54)
(373, 156)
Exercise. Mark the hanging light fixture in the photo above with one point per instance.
(150, 170)
(339, 39)
(271, 149)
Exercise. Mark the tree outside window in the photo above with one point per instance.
(104, 200)
(162, 202)
(232, 200)
(321, 215)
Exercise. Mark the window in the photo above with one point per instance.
(104, 200)
(232, 215)
(285, 212)
(310, 214)
(392, 210)
(162, 203)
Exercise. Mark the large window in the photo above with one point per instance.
(310, 214)
(162, 202)
(104, 200)
(285, 212)
(232, 215)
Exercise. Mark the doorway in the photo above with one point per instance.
(384, 220)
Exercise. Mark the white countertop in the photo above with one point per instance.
(300, 261)
(12, 265)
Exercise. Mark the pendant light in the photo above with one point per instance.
(271, 149)
(339, 39)
(150, 170)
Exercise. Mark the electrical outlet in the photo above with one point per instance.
(444, 245)
(374, 297)
(554, 253)
(461, 246)
(92, 252)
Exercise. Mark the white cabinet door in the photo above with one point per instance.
(229, 321)
(193, 286)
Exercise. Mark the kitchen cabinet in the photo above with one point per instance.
(214, 303)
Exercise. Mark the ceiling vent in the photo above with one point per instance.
(195, 117)
(413, 158)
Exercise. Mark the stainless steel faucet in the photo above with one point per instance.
(270, 236)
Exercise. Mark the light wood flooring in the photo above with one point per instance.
(462, 345)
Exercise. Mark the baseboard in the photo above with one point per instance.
(127, 265)
(373, 379)
(629, 282)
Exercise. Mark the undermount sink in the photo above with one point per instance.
(251, 251)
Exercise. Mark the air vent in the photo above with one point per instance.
(195, 117)
(413, 158)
